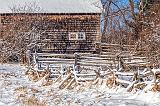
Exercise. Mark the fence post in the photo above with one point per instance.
(119, 63)
(62, 71)
(35, 56)
(28, 55)
(48, 69)
(98, 47)
(76, 66)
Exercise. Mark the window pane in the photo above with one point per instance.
(81, 36)
(72, 36)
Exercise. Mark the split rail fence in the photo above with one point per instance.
(125, 67)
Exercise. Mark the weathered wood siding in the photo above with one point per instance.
(54, 30)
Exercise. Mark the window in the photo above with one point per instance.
(72, 36)
(81, 36)
(77, 36)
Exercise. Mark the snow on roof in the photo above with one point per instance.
(54, 6)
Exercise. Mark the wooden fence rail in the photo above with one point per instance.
(124, 67)
(77, 59)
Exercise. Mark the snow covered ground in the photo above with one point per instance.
(17, 90)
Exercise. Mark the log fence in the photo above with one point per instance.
(73, 69)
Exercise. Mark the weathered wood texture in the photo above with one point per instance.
(54, 30)
(112, 55)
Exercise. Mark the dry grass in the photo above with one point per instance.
(33, 101)
(21, 90)
(110, 81)
(35, 75)
(48, 82)
(156, 87)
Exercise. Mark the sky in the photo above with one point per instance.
(121, 1)
(54, 6)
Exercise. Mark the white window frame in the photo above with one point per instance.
(83, 37)
(77, 34)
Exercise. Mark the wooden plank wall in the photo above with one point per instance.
(54, 30)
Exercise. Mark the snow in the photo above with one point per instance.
(55, 6)
(14, 85)
(155, 71)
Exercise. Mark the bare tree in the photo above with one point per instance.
(23, 32)
(136, 23)
(29, 7)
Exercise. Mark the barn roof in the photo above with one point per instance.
(51, 6)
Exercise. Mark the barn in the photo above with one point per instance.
(60, 26)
